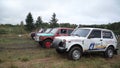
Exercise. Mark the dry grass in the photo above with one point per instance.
(22, 52)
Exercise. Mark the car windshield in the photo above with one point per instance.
(80, 32)
(41, 30)
(54, 30)
(48, 30)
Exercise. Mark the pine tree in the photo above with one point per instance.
(53, 21)
(29, 22)
(39, 22)
(21, 27)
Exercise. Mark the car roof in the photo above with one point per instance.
(95, 28)
(63, 28)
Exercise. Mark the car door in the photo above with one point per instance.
(94, 40)
(62, 32)
(107, 38)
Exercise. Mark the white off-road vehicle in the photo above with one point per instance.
(87, 40)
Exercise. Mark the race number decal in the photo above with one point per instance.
(91, 46)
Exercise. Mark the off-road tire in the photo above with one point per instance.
(45, 43)
(75, 53)
(109, 53)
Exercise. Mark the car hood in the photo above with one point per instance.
(45, 34)
(69, 38)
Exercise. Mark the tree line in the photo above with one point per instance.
(32, 25)
(39, 23)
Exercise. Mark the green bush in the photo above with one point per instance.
(12, 30)
(3, 31)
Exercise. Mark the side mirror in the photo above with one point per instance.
(117, 36)
(57, 33)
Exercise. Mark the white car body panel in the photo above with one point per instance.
(86, 43)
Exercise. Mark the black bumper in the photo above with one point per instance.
(61, 49)
(59, 45)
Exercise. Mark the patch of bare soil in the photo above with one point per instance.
(19, 47)
(27, 64)
(116, 58)
(31, 62)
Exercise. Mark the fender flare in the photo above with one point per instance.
(78, 45)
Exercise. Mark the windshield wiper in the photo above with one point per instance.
(76, 35)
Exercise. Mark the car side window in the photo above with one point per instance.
(95, 34)
(107, 34)
(63, 31)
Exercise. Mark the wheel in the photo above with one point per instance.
(47, 43)
(41, 44)
(59, 52)
(109, 52)
(75, 53)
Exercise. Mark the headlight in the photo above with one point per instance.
(37, 38)
(64, 43)
(64, 40)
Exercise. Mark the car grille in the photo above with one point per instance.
(37, 38)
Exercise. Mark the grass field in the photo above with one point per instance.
(22, 52)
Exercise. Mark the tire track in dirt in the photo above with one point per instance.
(23, 48)
(19, 47)
(27, 64)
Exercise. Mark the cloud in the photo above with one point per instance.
(69, 11)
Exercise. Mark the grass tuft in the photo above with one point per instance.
(22, 51)
(116, 65)
(1, 61)
(13, 66)
(24, 59)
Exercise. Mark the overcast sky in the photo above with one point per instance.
(67, 11)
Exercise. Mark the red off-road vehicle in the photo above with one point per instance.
(46, 39)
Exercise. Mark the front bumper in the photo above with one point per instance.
(61, 49)
(59, 45)
(37, 38)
